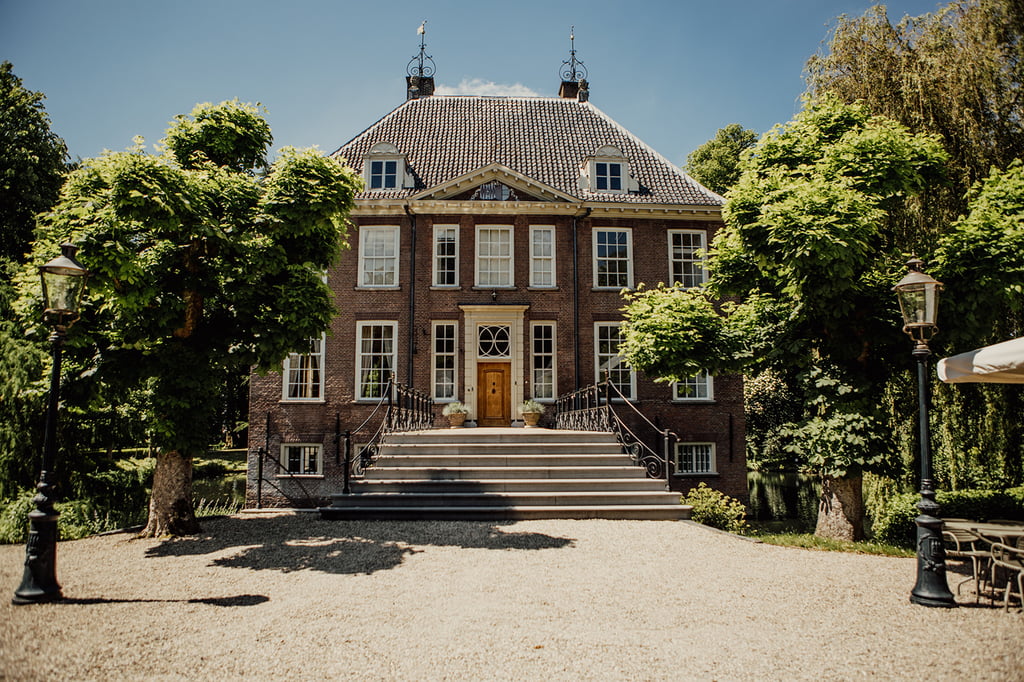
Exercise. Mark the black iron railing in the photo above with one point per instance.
(592, 409)
(405, 409)
(281, 470)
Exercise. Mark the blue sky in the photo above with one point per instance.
(673, 72)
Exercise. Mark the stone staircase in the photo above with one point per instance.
(505, 473)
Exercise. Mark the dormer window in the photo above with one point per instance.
(607, 172)
(608, 176)
(383, 174)
(385, 168)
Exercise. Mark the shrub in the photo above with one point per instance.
(14, 518)
(895, 523)
(454, 408)
(712, 508)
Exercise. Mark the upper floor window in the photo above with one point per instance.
(542, 256)
(375, 358)
(446, 255)
(378, 256)
(607, 171)
(494, 256)
(684, 256)
(607, 361)
(697, 387)
(613, 258)
(384, 168)
(303, 373)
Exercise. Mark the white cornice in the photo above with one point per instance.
(398, 207)
(493, 171)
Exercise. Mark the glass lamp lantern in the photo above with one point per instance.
(918, 295)
(63, 281)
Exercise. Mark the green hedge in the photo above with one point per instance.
(895, 523)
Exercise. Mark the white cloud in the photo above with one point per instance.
(478, 86)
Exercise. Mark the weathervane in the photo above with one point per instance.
(573, 70)
(421, 65)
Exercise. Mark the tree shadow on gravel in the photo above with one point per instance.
(236, 600)
(299, 543)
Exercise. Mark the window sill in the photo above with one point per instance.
(611, 290)
(382, 288)
(286, 476)
(711, 474)
(693, 401)
(301, 401)
(445, 287)
(544, 288)
(507, 287)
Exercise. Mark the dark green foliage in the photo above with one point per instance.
(33, 161)
(712, 508)
(771, 404)
(894, 522)
(715, 164)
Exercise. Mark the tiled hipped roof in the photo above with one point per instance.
(547, 139)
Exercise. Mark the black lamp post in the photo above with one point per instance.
(63, 284)
(918, 295)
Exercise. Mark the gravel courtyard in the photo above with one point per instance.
(281, 596)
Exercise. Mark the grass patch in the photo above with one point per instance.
(811, 541)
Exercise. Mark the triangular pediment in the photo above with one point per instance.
(494, 182)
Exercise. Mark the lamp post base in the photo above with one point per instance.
(39, 582)
(931, 589)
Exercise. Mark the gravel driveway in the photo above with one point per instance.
(282, 596)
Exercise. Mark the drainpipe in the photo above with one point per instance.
(412, 297)
(576, 297)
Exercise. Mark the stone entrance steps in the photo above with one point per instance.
(492, 474)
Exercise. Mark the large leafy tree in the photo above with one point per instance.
(715, 164)
(33, 162)
(807, 249)
(32, 168)
(957, 73)
(204, 261)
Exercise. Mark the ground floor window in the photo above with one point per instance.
(607, 359)
(444, 360)
(302, 459)
(303, 372)
(697, 387)
(695, 458)
(375, 358)
(543, 359)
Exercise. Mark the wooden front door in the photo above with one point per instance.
(494, 406)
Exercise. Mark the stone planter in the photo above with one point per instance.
(456, 420)
(531, 419)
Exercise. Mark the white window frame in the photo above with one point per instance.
(310, 364)
(702, 382)
(609, 178)
(678, 259)
(541, 264)
(314, 449)
(709, 457)
(439, 231)
(360, 326)
(368, 233)
(509, 259)
(385, 153)
(552, 355)
(384, 174)
(614, 361)
(596, 260)
(435, 356)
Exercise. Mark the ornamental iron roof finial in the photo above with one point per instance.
(421, 65)
(573, 70)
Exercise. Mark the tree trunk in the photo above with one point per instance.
(841, 509)
(170, 504)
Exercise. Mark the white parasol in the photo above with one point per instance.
(1001, 363)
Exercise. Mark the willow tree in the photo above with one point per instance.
(204, 260)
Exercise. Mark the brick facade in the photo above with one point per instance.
(413, 304)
